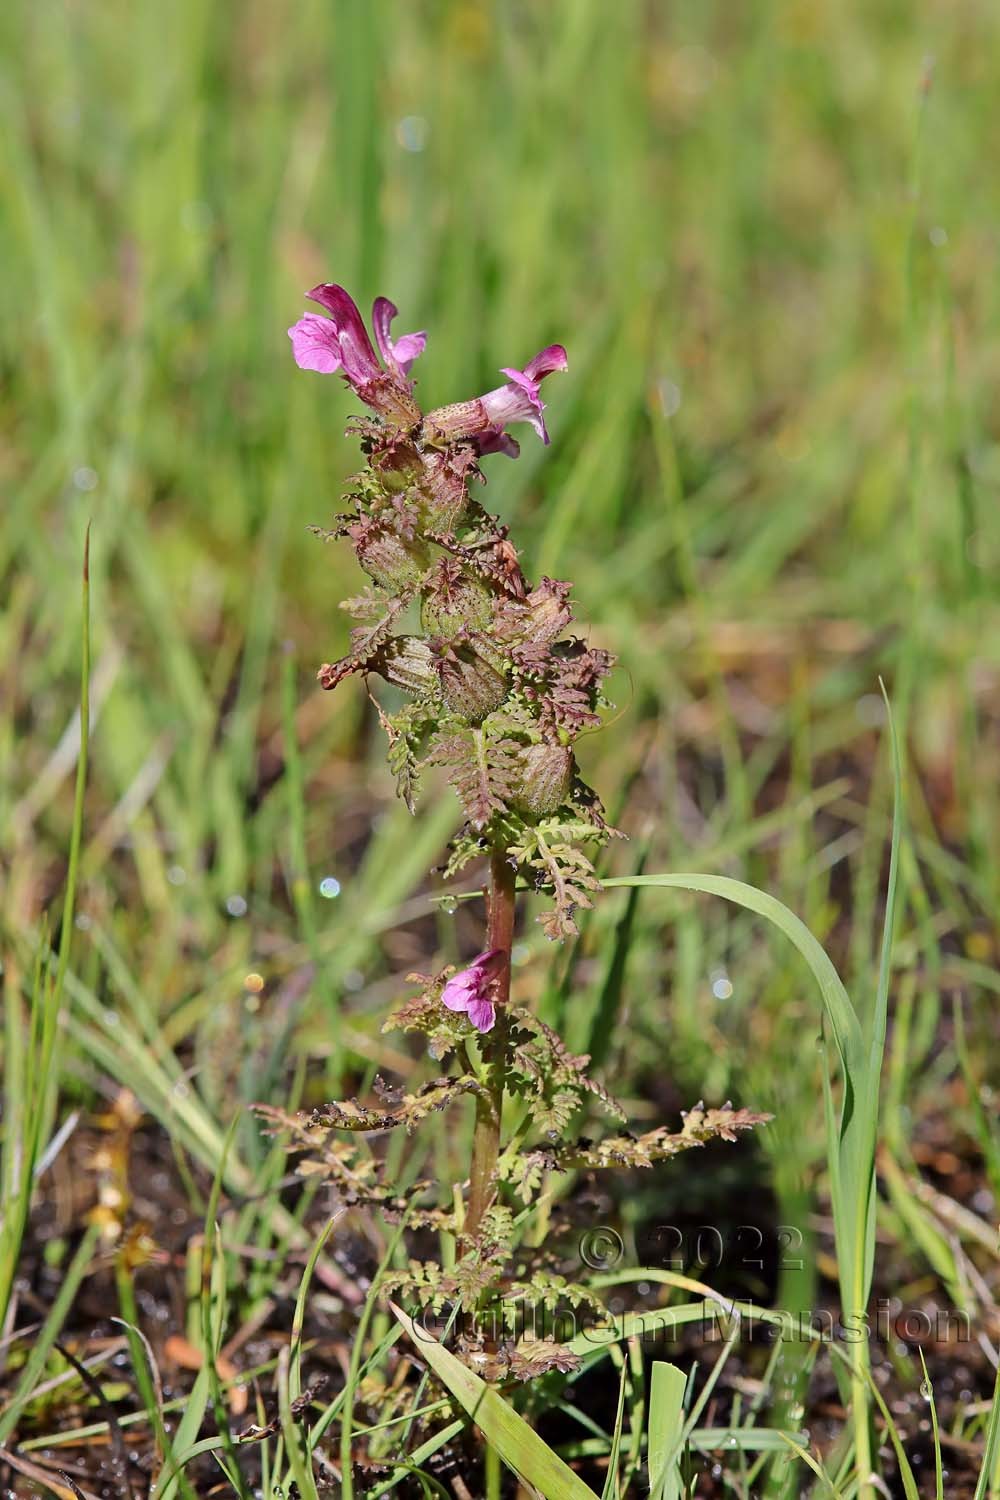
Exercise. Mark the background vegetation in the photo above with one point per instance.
(767, 235)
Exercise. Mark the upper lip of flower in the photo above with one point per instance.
(400, 353)
(340, 340)
(520, 399)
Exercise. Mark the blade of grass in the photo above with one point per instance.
(666, 1427)
(299, 1454)
(988, 1481)
(357, 1357)
(42, 1344)
(612, 1488)
(851, 1139)
(515, 1440)
(30, 1094)
(927, 1390)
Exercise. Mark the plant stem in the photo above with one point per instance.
(860, 1414)
(489, 1107)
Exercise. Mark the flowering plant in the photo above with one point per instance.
(496, 690)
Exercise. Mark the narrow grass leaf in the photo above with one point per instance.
(515, 1440)
(42, 1344)
(666, 1426)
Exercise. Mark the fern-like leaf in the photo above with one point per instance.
(483, 771)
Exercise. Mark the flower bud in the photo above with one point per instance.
(406, 660)
(547, 777)
(445, 486)
(454, 601)
(469, 684)
(385, 557)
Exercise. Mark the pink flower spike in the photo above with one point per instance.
(468, 991)
(400, 353)
(315, 344)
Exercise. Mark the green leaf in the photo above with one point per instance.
(518, 1444)
(640, 1324)
(666, 1422)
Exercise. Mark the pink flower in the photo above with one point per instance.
(518, 400)
(486, 418)
(469, 989)
(340, 341)
(398, 355)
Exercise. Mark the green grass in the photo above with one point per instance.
(769, 247)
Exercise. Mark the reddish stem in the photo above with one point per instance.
(489, 1108)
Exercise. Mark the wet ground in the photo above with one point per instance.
(741, 1255)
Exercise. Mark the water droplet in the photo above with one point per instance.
(668, 395)
(85, 478)
(236, 906)
(449, 904)
(82, 922)
(926, 1390)
(177, 875)
(329, 887)
(412, 132)
(722, 985)
(938, 235)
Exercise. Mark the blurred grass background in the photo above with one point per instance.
(768, 237)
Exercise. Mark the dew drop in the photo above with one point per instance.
(85, 478)
(668, 395)
(412, 132)
(926, 1390)
(236, 906)
(449, 904)
(329, 887)
(722, 985)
